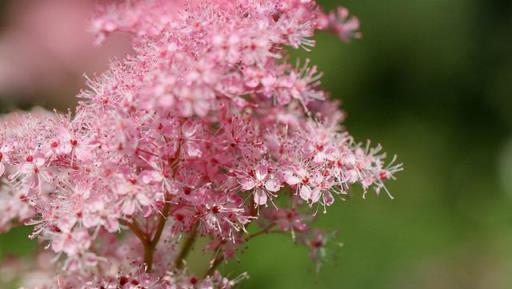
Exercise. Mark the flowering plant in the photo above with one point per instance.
(206, 131)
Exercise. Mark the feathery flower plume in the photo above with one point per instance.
(198, 134)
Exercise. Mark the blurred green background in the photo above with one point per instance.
(431, 80)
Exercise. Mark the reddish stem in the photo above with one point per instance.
(185, 249)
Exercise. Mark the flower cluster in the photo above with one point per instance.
(200, 133)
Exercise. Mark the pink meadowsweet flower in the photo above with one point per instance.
(261, 182)
(222, 215)
(14, 207)
(289, 220)
(191, 136)
(133, 196)
(71, 243)
(4, 154)
(346, 27)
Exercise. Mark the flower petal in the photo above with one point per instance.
(328, 199)
(247, 183)
(290, 178)
(273, 185)
(143, 199)
(305, 193)
(260, 197)
(261, 172)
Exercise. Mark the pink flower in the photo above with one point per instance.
(190, 142)
(4, 159)
(261, 182)
(133, 196)
(72, 243)
(302, 179)
(346, 28)
(290, 220)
